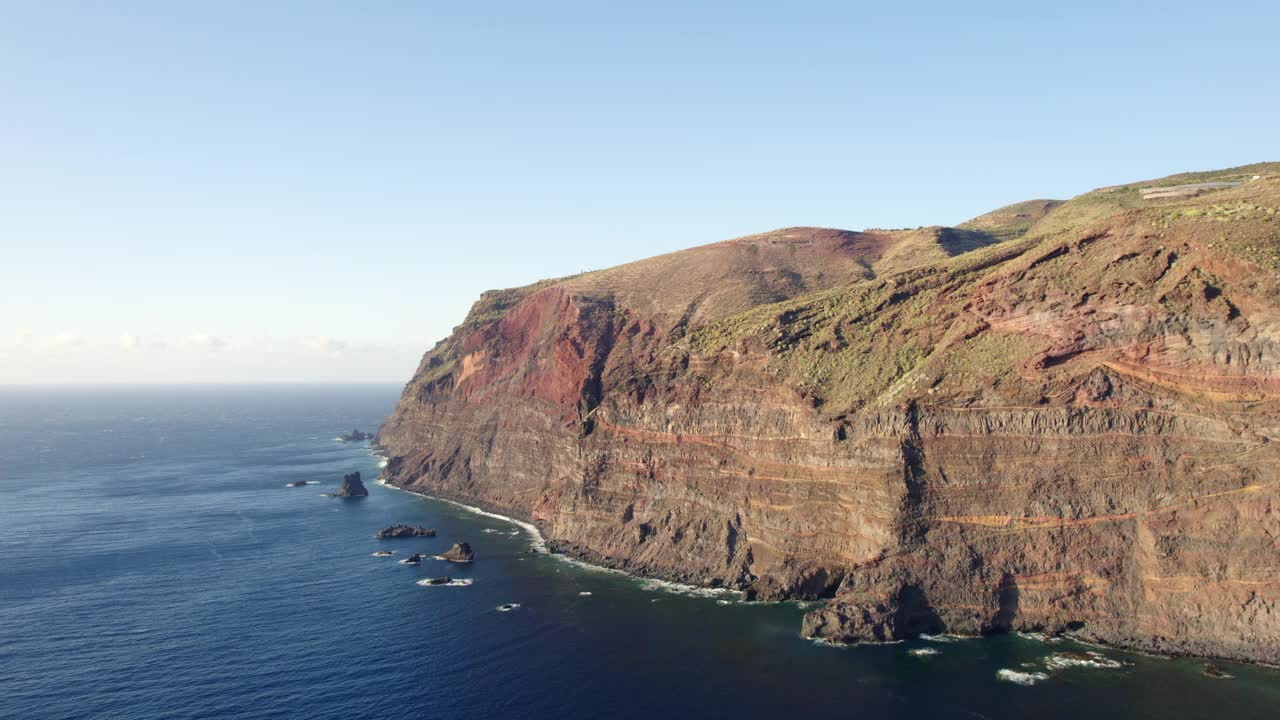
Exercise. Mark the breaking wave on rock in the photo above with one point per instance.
(1019, 677)
(460, 582)
(1090, 659)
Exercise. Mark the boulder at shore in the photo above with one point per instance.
(459, 553)
(352, 487)
(404, 531)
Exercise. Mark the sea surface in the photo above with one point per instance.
(154, 565)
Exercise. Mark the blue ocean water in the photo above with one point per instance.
(154, 565)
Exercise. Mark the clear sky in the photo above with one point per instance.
(266, 191)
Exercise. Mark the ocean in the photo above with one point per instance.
(154, 565)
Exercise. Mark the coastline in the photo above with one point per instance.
(541, 547)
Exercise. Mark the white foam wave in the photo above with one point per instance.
(1020, 678)
(842, 646)
(1086, 660)
(508, 607)
(1040, 637)
(676, 588)
(923, 652)
(585, 593)
(943, 638)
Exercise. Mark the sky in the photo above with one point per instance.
(316, 191)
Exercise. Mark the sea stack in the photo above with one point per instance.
(355, 436)
(351, 486)
(459, 553)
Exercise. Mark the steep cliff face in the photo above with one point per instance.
(1056, 417)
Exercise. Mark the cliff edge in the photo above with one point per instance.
(1060, 416)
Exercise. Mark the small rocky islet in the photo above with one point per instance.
(400, 530)
(461, 552)
(352, 486)
(355, 436)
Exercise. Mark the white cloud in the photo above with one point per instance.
(67, 340)
(130, 342)
(205, 341)
(325, 344)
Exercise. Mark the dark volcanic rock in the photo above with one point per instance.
(404, 531)
(1062, 418)
(439, 580)
(355, 436)
(352, 486)
(413, 559)
(459, 553)
(297, 483)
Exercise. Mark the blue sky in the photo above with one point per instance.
(269, 191)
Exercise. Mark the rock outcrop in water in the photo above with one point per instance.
(1058, 417)
(404, 531)
(355, 436)
(459, 553)
(352, 486)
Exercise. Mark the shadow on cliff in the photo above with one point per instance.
(914, 614)
(1006, 605)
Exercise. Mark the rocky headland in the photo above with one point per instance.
(1057, 417)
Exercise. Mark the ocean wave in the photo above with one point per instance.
(943, 638)
(823, 642)
(1019, 677)
(508, 607)
(1091, 659)
(1039, 637)
(675, 588)
(585, 593)
(923, 652)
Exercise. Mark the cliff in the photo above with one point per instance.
(1057, 416)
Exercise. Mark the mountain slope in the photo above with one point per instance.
(1057, 416)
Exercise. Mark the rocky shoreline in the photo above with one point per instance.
(577, 555)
